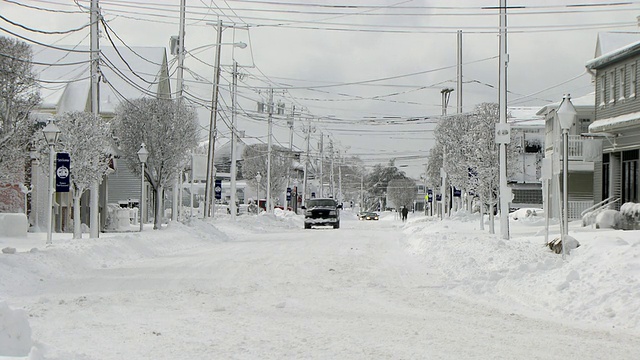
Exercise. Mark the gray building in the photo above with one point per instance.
(617, 117)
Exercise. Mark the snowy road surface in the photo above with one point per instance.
(354, 293)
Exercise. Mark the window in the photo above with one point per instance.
(621, 82)
(612, 87)
(630, 176)
(632, 83)
(603, 87)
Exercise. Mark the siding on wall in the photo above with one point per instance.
(123, 185)
(630, 104)
(597, 182)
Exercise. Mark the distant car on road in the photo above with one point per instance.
(321, 212)
(368, 216)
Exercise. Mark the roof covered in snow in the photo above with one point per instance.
(586, 102)
(525, 116)
(615, 123)
(614, 46)
(129, 73)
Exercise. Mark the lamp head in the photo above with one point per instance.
(566, 113)
(143, 153)
(51, 133)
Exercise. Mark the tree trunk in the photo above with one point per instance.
(157, 223)
(481, 211)
(77, 222)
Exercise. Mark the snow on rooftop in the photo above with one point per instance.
(611, 41)
(613, 45)
(66, 82)
(616, 122)
(584, 102)
(525, 116)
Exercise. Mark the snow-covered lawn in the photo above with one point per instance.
(263, 288)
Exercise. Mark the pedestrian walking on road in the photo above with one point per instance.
(405, 212)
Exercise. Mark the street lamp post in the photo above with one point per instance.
(566, 115)
(258, 178)
(51, 134)
(143, 154)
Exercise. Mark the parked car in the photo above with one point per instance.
(322, 212)
(368, 216)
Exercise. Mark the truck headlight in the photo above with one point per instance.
(332, 212)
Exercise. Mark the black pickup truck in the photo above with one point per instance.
(321, 212)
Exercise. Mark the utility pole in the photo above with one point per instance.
(331, 173)
(234, 155)
(179, 85)
(290, 123)
(208, 202)
(306, 165)
(94, 207)
(269, 144)
(459, 72)
(339, 181)
(446, 94)
(505, 192)
(321, 164)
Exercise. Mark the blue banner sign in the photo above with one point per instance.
(63, 172)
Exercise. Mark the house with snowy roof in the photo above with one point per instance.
(580, 164)
(64, 75)
(527, 133)
(617, 117)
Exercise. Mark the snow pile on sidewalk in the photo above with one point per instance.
(598, 283)
(15, 335)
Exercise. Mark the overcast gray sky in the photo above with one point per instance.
(359, 70)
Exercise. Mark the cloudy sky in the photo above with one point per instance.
(366, 75)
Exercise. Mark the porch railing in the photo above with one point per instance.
(576, 145)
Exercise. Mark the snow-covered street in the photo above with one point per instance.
(264, 288)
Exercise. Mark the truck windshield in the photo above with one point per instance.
(321, 202)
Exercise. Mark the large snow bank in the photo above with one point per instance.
(598, 282)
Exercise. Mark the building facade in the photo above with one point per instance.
(617, 118)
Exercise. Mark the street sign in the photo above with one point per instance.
(218, 189)
(63, 172)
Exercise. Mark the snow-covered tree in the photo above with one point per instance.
(169, 131)
(254, 161)
(377, 182)
(18, 95)
(467, 142)
(402, 192)
(86, 138)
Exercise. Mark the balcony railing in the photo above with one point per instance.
(576, 145)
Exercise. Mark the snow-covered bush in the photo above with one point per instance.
(608, 219)
(630, 213)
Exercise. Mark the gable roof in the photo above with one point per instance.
(129, 73)
(614, 46)
(585, 102)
